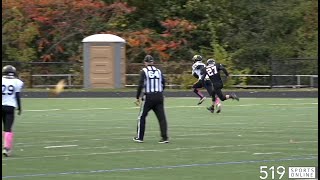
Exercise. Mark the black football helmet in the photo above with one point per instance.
(211, 61)
(196, 58)
(9, 70)
(148, 58)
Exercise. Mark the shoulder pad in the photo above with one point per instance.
(200, 66)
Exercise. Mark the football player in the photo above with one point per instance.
(11, 88)
(197, 66)
(213, 72)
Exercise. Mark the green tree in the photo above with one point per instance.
(18, 35)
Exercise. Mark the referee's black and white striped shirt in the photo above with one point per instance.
(151, 80)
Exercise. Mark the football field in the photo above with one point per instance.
(91, 139)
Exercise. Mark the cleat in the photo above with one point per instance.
(137, 140)
(211, 109)
(218, 108)
(6, 152)
(201, 100)
(234, 96)
(163, 141)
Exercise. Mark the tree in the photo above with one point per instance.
(61, 24)
(18, 34)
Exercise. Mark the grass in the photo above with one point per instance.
(84, 139)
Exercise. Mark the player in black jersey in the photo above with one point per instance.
(213, 71)
(196, 72)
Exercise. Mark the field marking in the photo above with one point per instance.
(45, 142)
(300, 121)
(80, 129)
(269, 131)
(291, 104)
(79, 109)
(42, 110)
(121, 138)
(189, 98)
(311, 128)
(61, 146)
(89, 109)
(168, 107)
(267, 153)
(161, 167)
(157, 150)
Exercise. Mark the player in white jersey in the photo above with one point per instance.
(11, 88)
(197, 66)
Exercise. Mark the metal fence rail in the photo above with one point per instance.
(313, 81)
(297, 85)
(68, 78)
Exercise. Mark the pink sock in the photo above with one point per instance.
(8, 139)
(196, 90)
(217, 101)
(201, 95)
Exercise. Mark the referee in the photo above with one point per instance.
(153, 83)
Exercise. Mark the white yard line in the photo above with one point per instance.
(161, 167)
(292, 104)
(80, 129)
(107, 108)
(89, 109)
(301, 121)
(42, 110)
(103, 153)
(159, 150)
(61, 146)
(132, 98)
(105, 139)
(213, 126)
(41, 143)
(268, 131)
(266, 153)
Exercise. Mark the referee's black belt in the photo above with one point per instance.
(150, 93)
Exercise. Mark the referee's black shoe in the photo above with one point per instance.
(163, 141)
(137, 140)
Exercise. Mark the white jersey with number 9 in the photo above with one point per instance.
(9, 88)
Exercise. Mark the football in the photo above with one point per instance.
(59, 87)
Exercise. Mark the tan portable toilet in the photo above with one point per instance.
(104, 61)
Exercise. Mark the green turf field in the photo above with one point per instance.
(91, 139)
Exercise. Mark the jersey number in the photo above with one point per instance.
(7, 90)
(212, 70)
(153, 74)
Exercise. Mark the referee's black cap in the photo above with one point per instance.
(148, 58)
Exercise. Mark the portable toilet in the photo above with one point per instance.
(104, 61)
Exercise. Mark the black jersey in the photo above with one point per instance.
(213, 71)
